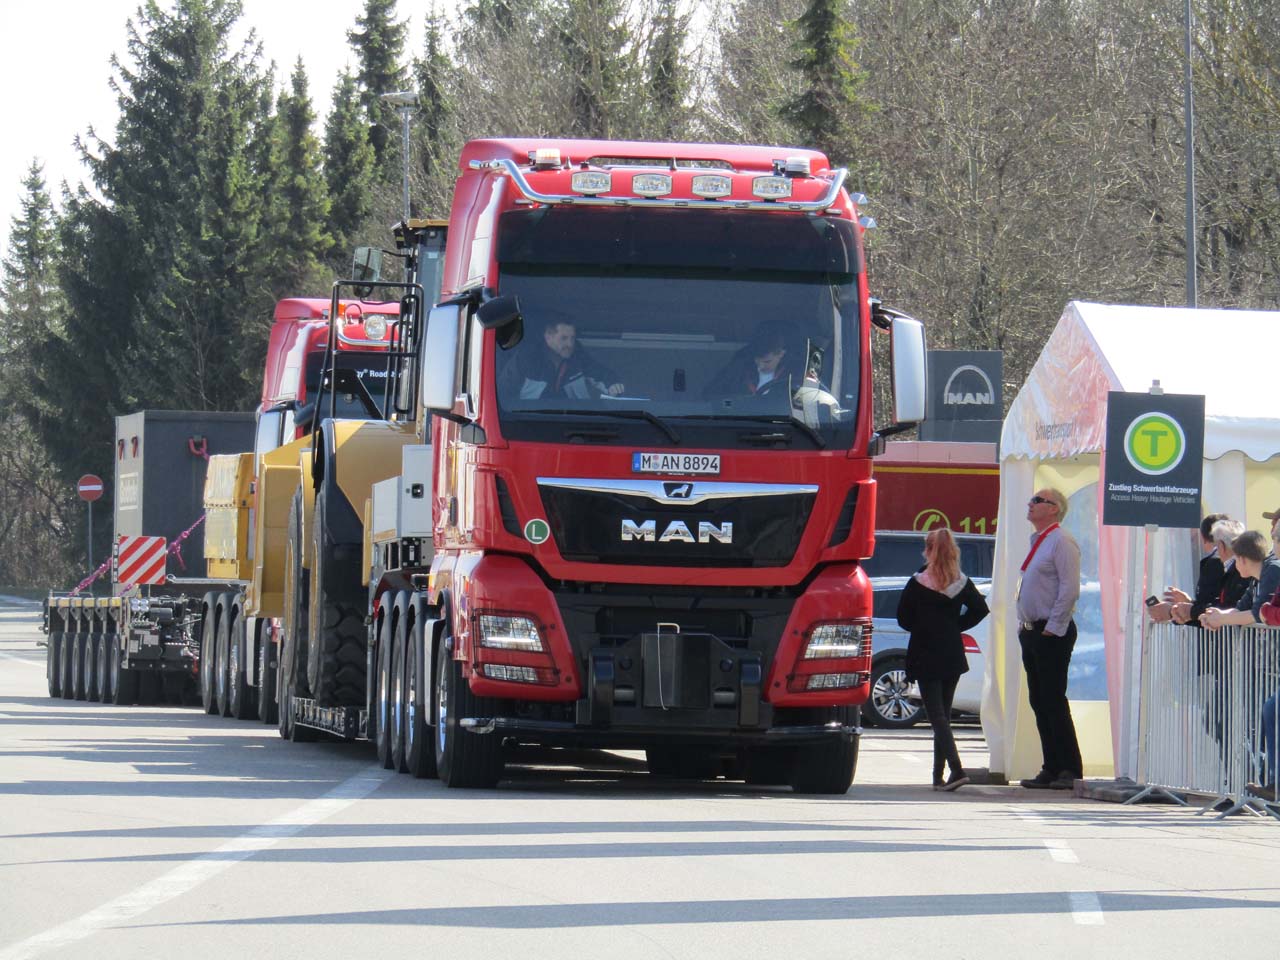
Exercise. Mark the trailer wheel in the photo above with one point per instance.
(827, 767)
(68, 658)
(336, 639)
(419, 753)
(290, 674)
(53, 663)
(222, 639)
(267, 711)
(77, 665)
(106, 650)
(684, 763)
(382, 708)
(92, 646)
(462, 759)
(208, 652)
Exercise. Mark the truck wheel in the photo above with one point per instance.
(463, 759)
(894, 702)
(266, 674)
(337, 636)
(827, 767)
(240, 696)
(293, 625)
(683, 763)
(106, 651)
(124, 683)
(92, 647)
(68, 658)
(208, 652)
(53, 663)
(77, 665)
(221, 679)
(399, 705)
(419, 754)
(769, 766)
(382, 708)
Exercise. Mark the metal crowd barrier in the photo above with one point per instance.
(1200, 715)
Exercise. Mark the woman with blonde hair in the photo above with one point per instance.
(937, 605)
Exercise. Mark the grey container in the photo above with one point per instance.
(160, 466)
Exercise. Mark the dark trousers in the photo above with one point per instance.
(937, 696)
(1045, 660)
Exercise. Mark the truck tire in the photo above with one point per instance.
(385, 694)
(53, 662)
(240, 701)
(462, 759)
(290, 673)
(768, 766)
(419, 753)
(124, 682)
(266, 674)
(337, 636)
(827, 767)
(208, 652)
(890, 705)
(399, 708)
(222, 638)
(682, 762)
(79, 652)
(106, 650)
(68, 658)
(92, 647)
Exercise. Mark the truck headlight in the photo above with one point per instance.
(831, 641)
(509, 633)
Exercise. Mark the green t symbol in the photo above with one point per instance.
(1155, 434)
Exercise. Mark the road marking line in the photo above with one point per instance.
(1061, 851)
(910, 757)
(1086, 910)
(186, 877)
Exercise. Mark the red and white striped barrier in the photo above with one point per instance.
(141, 560)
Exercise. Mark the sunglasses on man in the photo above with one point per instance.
(1035, 500)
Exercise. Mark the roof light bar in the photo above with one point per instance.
(509, 168)
(651, 184)
(771, 188)
(712, 185)
(589, 182)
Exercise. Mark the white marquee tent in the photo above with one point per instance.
(1055, 436)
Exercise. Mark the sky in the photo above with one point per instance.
(62, 54)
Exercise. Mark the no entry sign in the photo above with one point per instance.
(89, 487)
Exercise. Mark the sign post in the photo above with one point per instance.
(89, 487)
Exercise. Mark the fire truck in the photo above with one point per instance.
(625, 486)
(184, 483)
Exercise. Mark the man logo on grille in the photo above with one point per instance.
(678, 491)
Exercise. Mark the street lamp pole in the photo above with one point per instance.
(404, 101)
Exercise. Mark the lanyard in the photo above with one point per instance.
(1036, 546)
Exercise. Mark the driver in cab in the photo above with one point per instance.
(557, 368)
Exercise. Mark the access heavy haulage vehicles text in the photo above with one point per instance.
(643, 547)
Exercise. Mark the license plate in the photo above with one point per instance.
(695, 463)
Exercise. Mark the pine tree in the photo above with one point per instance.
(433, 75)
(666, 76)
(825, 113)
(378, 41)
(348, 164)
(599, 64)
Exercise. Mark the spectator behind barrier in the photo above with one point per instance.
(1208, 585)
(1252, 560)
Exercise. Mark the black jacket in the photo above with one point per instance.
(935, 621)
(1208, 587)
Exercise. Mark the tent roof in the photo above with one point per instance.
(1061, 409)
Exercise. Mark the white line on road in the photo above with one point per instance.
(1086, 910)
(1061, 851)
(910, 757)
(188, 876)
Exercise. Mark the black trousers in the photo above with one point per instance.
(937, 696)
(1045, 660)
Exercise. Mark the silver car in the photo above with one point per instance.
(894, 703)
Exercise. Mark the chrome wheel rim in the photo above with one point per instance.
(442, 703)
(894, 697)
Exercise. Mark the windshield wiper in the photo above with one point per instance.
(619, 414)
(790, 419)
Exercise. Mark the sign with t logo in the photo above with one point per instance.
(1154, 460)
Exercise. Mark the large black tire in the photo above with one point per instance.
(399, 707)
(682, 762)
(53, 662)
(240, 696)
(827, 767)
(267, 704)
(891, 705)
(226, 612)
(462, 759)
(419, 751)
(106, 650)
(385, 693)
(79, 654)
(769, 766)
(94, 644)
(337, 635)
(209, 653)
(68, 658)
(124, 682)
(291, 671)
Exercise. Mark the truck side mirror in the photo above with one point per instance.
(503, 315)
(910, 377)
(366, 268)
(440, 358)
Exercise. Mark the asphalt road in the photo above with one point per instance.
(158, 831)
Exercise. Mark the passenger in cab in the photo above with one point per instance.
(557, 367)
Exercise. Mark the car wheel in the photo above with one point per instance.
(894, 702)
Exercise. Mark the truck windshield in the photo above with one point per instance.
(368, 369)
(729, 328)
